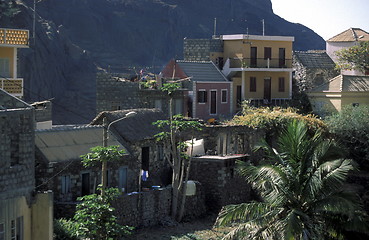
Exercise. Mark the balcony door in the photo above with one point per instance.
(282, 57)
(267, 88)
(253, 57)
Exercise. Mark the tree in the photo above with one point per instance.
(355, 57)
(8, 8)
(303, 192)
(102, 155)
(174, 149)
(95, 219)
(351, 128)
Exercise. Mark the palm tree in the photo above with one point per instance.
(303, 192)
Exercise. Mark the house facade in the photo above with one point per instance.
(338, 92)
(25, 214)
(260, 67)
(346, 39)
(59, 167)
(208, 93)
(10, 41)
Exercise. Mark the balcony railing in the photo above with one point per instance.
(12, 86)
(260, 63)
(14, 37)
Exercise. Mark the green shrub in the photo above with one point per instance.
(351, 128)
(275, 119)
(65, 229)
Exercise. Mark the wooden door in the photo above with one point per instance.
(267, 88)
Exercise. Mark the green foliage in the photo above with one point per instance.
(65, 229)
(8, 8)
(274, 119)
(177, 125)
(355, 57)
(170, 88)
(95, 219)
(99, 154)
(351, 128)
(302, 186)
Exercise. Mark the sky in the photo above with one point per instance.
(325, 17)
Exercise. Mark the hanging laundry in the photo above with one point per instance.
(144, 175)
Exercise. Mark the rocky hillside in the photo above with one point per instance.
(74, 38)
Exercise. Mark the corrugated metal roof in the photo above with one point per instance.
(314, 59)
(202, 71)
(58, 145)
(345, 83)
(350, 35)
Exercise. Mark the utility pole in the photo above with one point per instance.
(104, 163)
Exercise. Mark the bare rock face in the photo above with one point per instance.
(76, 37)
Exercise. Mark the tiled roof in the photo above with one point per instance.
(65, 144)
(314, 59)
(345, 83)
(202, 71)
(351, 35)
(135, 128)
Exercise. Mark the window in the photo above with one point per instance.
(145, 158)
(355, 104)
(65, 184)
(252, 84)
(158, 104)
(224, 95)
(4, 68)
(202, 96)
(85, 184)
(239, 96)
(122, 183)
(160, 153)
(19, 228)
(281, 84)
(267, 53)
(2, 231)
(115, 106)
(12, 230)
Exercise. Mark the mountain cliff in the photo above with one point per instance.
(74, 38)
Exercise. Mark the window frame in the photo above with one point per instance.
(202, 96)
(222, 96)
(281, 84)
(253, 85)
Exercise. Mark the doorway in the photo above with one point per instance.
(267, 88)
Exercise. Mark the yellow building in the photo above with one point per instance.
(259, 66)
(10, 41)
(338, 92)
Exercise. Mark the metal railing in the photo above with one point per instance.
(14, 37)
(12, 86)
(259, 63)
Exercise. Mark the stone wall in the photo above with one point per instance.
(16, 148)
(153, 207)
(43, 111)
(199, 49)
(308, 78)
(114, 93)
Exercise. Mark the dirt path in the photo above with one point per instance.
(200, 229)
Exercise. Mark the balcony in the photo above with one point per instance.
(233, 65)
(14, 37)
(12, 86)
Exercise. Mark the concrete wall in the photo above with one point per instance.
(42, 215)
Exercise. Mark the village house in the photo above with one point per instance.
(25, 213)
(10, 41)
(260, 67)
(209, 92)
(312, 68)
(59, 167)
(346, 39)
(116, 93)
(342, 90)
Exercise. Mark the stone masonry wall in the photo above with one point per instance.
(16, 152)
(117, 94)
(199, 49)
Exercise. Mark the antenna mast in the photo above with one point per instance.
(215, 27)
(263, 26)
